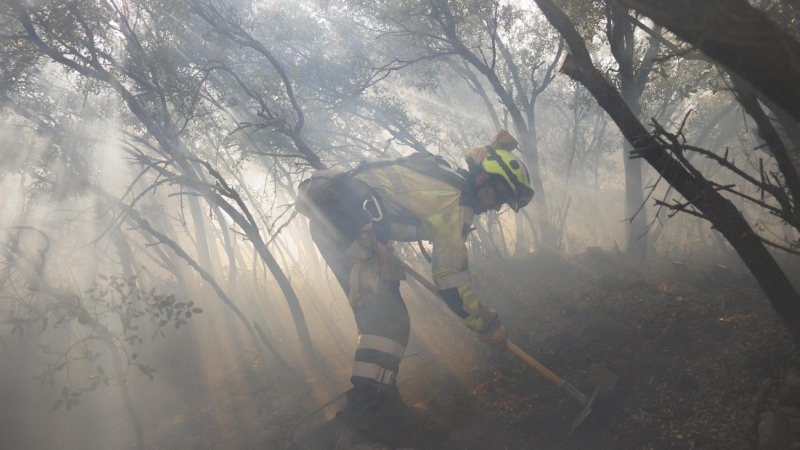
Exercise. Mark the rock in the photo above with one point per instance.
(599, 375)
(773, 432)
(789, 396)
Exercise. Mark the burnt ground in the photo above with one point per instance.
(692, 346)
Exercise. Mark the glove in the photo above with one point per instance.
(493, 332)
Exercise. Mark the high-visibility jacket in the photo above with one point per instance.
(423, 206)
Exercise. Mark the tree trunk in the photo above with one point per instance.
(692, 186)
(739, 37)
(528, 147)
(119, 374)
(635, 209)
(632, 83)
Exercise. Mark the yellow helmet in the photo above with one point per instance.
(503, 164)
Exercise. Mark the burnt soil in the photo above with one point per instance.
(691, 345)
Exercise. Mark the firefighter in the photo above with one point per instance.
(353, 217)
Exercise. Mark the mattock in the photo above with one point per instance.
(569, 390)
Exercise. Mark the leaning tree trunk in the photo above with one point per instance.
(691, 185)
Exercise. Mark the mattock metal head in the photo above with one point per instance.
(587, 409)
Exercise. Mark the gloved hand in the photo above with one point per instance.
(493, 332)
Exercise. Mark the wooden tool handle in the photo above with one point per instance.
(536, 365)
(568, 389)
(518, 352)
(571, 391)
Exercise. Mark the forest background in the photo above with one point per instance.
(150, 153)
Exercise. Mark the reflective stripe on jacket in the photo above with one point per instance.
(420, 207)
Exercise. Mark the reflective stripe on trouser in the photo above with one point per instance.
(382, 319)
(373, 372)
(380, 343)
(384, 326)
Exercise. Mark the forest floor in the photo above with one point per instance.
(692, 346)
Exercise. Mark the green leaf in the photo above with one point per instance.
(134, 356)
(57, 404)
(65, 392)
(75, 393)
(188, 314)
(197, 310)
(100, 370)
(101, 276)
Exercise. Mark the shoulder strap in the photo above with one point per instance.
(433, 169)
(431, 165)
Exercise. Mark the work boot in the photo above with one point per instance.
(357, 432)
(406, 425)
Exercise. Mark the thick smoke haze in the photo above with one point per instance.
(159, 289)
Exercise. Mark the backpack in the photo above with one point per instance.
(428, 164)
(321, 188)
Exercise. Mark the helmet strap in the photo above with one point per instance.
(477, 176)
